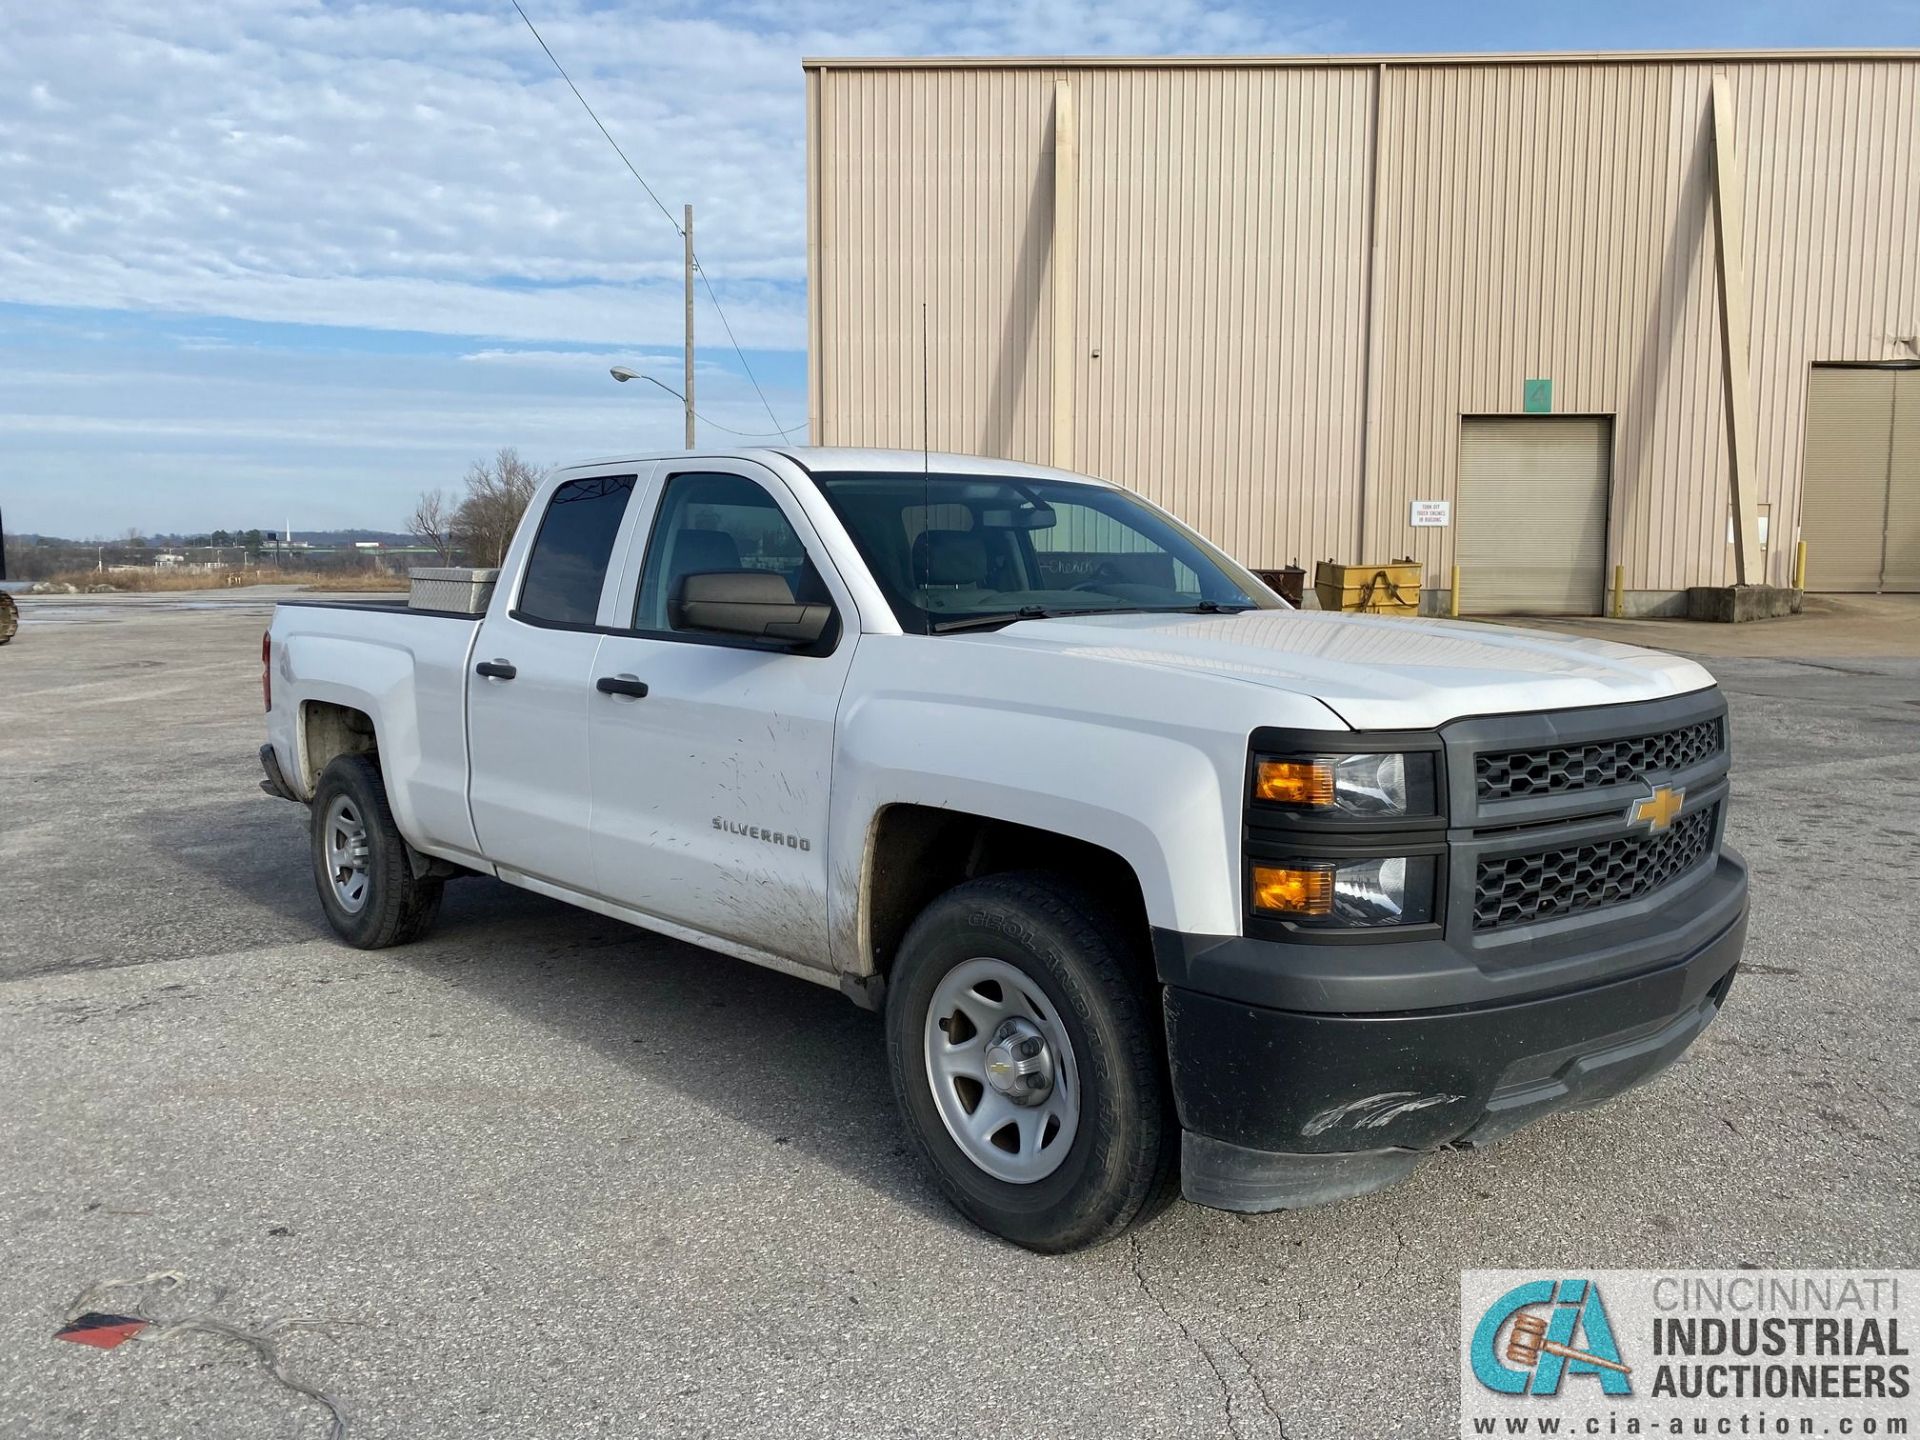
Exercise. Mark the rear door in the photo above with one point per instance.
(528, 695)
(711, 790)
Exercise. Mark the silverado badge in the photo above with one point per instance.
(1657, 811)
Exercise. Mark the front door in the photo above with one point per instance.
(710, 791)
(528, 698)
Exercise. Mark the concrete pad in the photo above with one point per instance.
(1828, 626)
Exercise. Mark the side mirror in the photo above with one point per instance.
(754, 603)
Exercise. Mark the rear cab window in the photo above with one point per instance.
(567, 564)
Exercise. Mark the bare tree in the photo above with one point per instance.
(498, 494)
(431, 523)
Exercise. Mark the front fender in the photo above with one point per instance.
(1168, 806)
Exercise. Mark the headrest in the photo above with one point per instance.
(698, 551)
(949, 557)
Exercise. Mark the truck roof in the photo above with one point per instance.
(842, 458)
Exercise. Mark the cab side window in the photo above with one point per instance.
(715, 522)
(567, 566)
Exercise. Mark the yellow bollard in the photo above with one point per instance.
(1619, 592)
(1799, 564)
(1453, 593)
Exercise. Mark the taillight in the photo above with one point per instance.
(266, 667)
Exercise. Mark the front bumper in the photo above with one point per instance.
(1286, 1108)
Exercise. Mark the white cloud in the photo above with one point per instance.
(337, 438)
(404, 167)
(575, 359)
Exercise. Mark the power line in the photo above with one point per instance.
(699, 269)
(596, 120)
(747, 434)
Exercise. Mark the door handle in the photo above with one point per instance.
(496, 669)
(627, 685)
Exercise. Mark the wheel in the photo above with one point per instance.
(360, 864)
(1026, 1062)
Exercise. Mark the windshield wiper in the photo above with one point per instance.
(1041, 612)
(1203, 607)
(981, 622)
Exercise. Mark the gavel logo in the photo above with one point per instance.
(1527, 1342)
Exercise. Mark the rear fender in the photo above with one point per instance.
(384, 688)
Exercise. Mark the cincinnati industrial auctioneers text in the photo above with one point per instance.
(1780, 1337)
(1689, 1352)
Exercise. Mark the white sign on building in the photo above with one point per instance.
(1431, 512)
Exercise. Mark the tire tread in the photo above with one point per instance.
(1119, 980)
(401, 908)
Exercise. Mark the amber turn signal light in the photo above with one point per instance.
(1292, 892)
(1293, 782)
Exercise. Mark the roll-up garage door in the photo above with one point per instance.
(1531, 533)
(1860, 491)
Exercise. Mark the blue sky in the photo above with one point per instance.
(283, 260)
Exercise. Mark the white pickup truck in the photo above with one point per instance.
(1152, 875)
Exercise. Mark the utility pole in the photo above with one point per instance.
(687, 232)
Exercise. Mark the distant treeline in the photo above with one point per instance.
(41, 557)
(473, 525)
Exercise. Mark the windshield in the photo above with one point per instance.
(951, 551)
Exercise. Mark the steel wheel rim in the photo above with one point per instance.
(346, 846)
(983, 1016)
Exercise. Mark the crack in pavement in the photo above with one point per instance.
(1219, 1376)
(1266, 1399)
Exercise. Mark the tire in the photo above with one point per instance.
(1067, 977)
(378, 902)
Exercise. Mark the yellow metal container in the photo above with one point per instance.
(1392, 588)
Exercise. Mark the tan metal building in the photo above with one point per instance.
(1290, 298)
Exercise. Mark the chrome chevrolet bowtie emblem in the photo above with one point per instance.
(1658, 810)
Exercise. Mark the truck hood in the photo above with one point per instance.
(1375, 673)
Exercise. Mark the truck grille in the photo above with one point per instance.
(1520, 889)
(1515, 774)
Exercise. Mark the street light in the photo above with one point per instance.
(624, 373)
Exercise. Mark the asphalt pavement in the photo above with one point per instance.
(544, 1175)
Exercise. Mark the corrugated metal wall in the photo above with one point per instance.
(1539, 219)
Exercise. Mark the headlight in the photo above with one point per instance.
(1361, 786)
(1391, 890)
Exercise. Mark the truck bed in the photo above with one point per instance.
(409, 679)
(400, 607)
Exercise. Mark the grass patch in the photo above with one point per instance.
(355, 580)
(158, 580)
